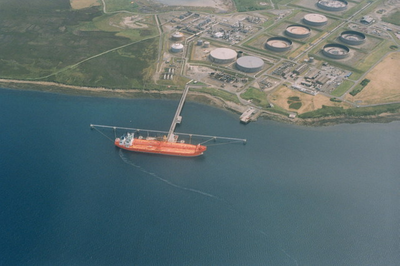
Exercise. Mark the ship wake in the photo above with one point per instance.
(126, 160)
(214, 197)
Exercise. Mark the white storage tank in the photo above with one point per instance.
(223, 55)
(298, 31)
(278, 44)
(332, 5)
(177, 36)
(250, 64)
(317, 20)
(176, 47)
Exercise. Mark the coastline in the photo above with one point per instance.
(53, 87)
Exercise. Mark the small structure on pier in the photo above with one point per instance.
(247, 115)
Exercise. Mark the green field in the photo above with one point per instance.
(250, 5)
(119, 5)
(294, 103)
(357, 89)
(345, 86)
(393, 18)
(40, 42)
(27, 6)
(126, 68)
(281, 2)
(257, 96)
(112, 23)
(219, 93)
(353, 112)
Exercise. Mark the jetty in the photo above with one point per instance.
(177, 118)
(246, 116)
(170, 135)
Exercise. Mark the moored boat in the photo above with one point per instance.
(167, 145)
(157, 146)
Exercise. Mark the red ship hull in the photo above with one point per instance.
(161, 147)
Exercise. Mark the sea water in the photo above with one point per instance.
(291, 196)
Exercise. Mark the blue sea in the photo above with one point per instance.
(291, 196)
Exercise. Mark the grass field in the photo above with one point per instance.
(294, 103)
(250, 5)
(393, 18)
(123, 69)
(219, 93)
(345, 86)
(36, 43)
(384, 83)
(355, 112)
(257, 96)
(270, 21)
(79, 4)
(143, 28)
(118, 5)
(374, 56)
(289, 99)
(281, 2)
(26, 6)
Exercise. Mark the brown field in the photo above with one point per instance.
(309, 103)
(79, 4)
(384, 85)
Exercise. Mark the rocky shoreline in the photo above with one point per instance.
(204, 98)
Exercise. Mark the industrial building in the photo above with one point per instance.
(312, 74)
(332, 5)
(250, 64)
(300, 69)
(352, 37)
(278, 44)
(335, 51)
(316, 20)
(367, 20)
(223, 55)
(298, 31)
(322, 80)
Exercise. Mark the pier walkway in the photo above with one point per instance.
(177, 118)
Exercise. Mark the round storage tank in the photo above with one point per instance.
(223, 55)
(352, 37)
(250, 64)
(278, 44)
(206, 44)
(298, 31)
(176, 47)
(332, 5)
(199, 42)
(177, 36)
(316, 20)
(335, 51)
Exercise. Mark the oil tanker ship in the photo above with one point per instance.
(157, 146)
(167, 145)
